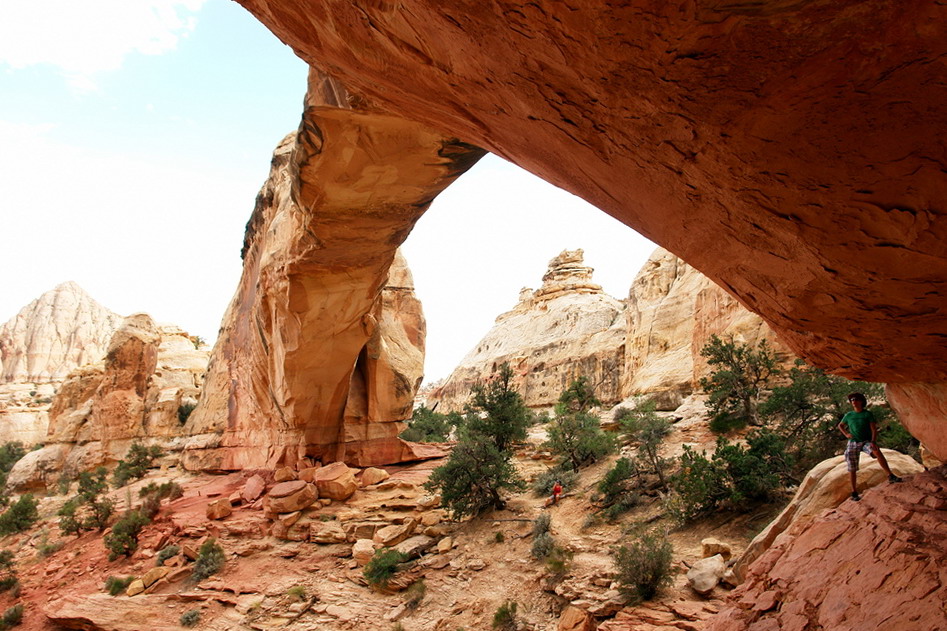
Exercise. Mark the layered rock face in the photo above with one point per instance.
(56, 333)
(791, 151)
(135, 393)
(872, 564)
(672, 311)
(315, 357)
(565, 329)
(59, 331)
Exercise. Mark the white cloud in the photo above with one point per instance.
(92, 36)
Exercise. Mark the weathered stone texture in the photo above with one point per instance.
(565, 329)
(316, 357)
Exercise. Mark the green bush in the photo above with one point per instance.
(427, 426)
(123, 540)
(618, 482)
(210, 560)
(115, 585)
(136, 464)
(12, 617)
(415, 594)
(504, 619)
(542, 545)
(20, 516)
(184, 412)
(497, 411)
(190, 618)
(740, 375)
(8, 578)
(166, 553)
(641, 424)
(382, 567)
(541, 524)
(644, 567)
(297, 592)
(578, 438)
(542, 485)
(91, 487)
(579, 397)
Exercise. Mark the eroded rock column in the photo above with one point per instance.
(308, 361)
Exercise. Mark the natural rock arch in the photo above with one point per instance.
(791, 150)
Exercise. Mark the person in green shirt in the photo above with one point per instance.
(862, 432)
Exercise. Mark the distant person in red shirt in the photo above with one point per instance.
(862, 432)
(556, 492)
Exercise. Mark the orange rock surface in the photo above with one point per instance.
(791, 151)
(321, 349)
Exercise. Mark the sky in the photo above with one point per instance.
(134, 137)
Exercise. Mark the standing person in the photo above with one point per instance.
(862, 432)
(556, 492)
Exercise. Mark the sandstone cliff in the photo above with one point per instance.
(672, 311)
(791, 151)
(56, 333)
(315, 356)
(138, 391)
(565, 329)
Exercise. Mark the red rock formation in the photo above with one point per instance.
(790, 150)
(309, 358)
(874, 564)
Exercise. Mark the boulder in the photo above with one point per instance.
(335, 481)
(575, 619)
(395, 534)
(363, 550)
(373, 475)
(326, 532)
(154, 574)
(136, 587)
(415, 546)
(218, 509)
(284, 474)
(711, 546)
(253, 488)
(706, 574)
(445, 545)
(288, 497)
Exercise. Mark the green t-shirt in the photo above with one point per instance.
(859, 425)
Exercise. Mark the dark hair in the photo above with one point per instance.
(858, 396)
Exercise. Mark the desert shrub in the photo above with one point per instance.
(210, 560)
(641, 424)
(190, 618)
(12, 617)
(700, 485)
(644, 567)
(64, 485)
(428, 426)
(504, 619)
(740, 375)
(98, 509)
(579, 397)
(44, 548)
(577, 438)
(20, 515)
(557, 561)
(115, 585)
(10, 453)
(498, 537)
(123, 540)
(542, 546)
(68, 523)
(415, 594)
(135, 464)
(542, 485)
(618, 481)
(297, 592)
(170, 490)
(166, 553)
(184, 412)
(541, 524)
(497, 411)
(8, 577)
(382, 566)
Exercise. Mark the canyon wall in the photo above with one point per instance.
(139, 391)
(673, 310)
(315, 357)
(565, 329)
(791, 151)
(62, 329)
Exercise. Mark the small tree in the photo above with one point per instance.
(642, 424)
(8, 577)
(20, 515)
(578, 438)
(382, 567)
(136, 463)
(504, 619)
(123, 540)
(498, 411)
(210, 560)
(644, 567)
(427, 426)
(740, 375)
(579, 396)
(475, 474)
(619, 488)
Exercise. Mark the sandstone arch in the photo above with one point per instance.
(791, 150)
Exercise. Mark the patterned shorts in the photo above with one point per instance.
(853, 449)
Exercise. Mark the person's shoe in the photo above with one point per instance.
(894, 478)
(856, 497)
